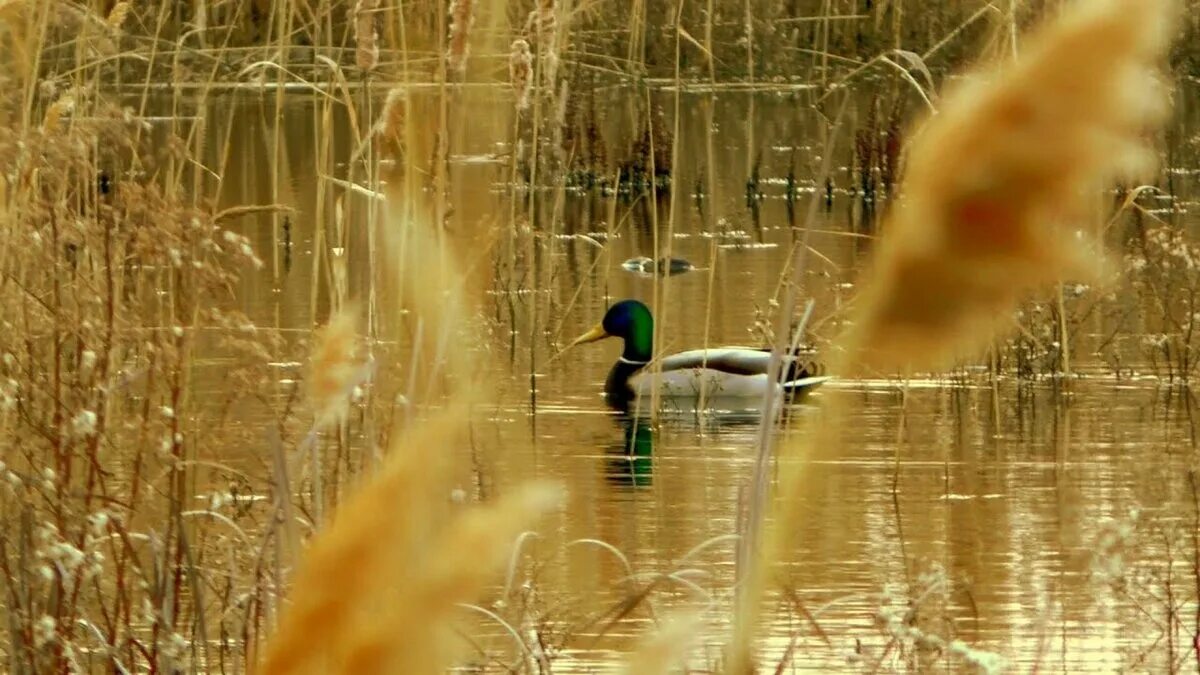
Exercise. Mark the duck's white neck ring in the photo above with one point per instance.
(631, 362)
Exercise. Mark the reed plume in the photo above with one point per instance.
(336, 368)
(378, 589)
(998, 185)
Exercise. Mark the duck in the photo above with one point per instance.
(722, 373)
(667, 267)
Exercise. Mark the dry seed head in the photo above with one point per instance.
(366, 37)
(462, 17)
(998, 183)
(116, 18)
(520, 71)
(54, 114)
(336, 368)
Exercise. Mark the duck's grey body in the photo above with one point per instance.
(721, 373)
(718, 374)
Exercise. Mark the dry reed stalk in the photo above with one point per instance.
(462, 18)
(994, 182)
(366, 36)
(520, 71)
(999, 181)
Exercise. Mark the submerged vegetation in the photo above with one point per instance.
(193, 484)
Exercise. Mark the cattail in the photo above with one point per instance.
(116, 18)
(366, 37)
(336, 368)
(997, 185)
(520, 71)
(462, 17)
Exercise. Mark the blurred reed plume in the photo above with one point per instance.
(375, 589)
(998, 185)
(667, 647)
(336, 367)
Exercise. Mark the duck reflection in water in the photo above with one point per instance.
(631, 461)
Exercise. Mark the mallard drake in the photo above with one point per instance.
(721, 372)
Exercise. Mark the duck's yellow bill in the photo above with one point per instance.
(596, 333)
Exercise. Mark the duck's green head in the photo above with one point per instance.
(631, 321)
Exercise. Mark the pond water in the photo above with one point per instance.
(1051, 522)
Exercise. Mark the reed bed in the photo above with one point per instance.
(339, 537)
